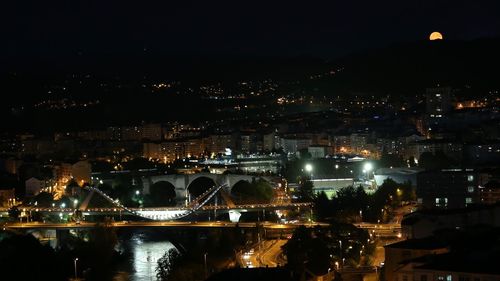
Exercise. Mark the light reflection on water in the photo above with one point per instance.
(144, 258)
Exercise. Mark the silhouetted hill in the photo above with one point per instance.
(414, 66)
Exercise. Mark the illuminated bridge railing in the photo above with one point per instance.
(170, 214)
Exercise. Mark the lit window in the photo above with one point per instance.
(470, 189)
(448, 277)
(470, 178)
(442, 202)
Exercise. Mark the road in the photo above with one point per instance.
(270, 256)
(265, 254)
(386, 231)
(401, 211)
(273, 206)
(180, 224)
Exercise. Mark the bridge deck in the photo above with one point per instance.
(161, 224)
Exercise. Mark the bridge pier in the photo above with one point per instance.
(234, 216)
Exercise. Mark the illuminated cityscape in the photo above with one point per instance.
(208, 141)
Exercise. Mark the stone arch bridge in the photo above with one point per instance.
(182, 182)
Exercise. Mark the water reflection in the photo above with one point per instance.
(145, 251)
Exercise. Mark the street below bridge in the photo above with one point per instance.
(161, 224)
(267, 253)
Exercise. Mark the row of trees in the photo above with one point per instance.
(353, 204)
(203, 256)
(319, 249)
(257, 191)
(23, 257)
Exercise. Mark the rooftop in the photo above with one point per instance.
(429, 243)
(252, 274)
(479, 262)
(410, 218)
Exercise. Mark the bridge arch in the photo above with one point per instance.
(238, 186)
(236, 189)
(183, 181)
(199, 185)
(163, 193)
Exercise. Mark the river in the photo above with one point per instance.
(143, 249)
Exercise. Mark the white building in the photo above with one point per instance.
(293, 145)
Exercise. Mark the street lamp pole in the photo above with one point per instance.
(341, 254)
(206, 270)
(309, 169)
(76, 275)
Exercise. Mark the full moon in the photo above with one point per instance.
(435, 36)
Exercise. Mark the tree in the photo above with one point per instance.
(71, 187)
(305, 192)
(322, 206)
(14, 213)
(167, 263)
(258, 191)
(173, 266)
(307, 251)
(138, 163)
(350, 203)
(101, 246)
(43, 199)
(22, 257)
(305, 154)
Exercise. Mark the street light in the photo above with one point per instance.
(341, 254)
(76, 276)
(309, 169)
(205, 258)
(367, 168)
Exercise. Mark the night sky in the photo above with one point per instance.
(60, 29)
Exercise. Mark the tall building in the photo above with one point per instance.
(218, 143)
(359, 143)
(451, 149)
(342, 144)
(318, 151)
(292, 145)
(271, 141)
(438, 101)
(250, 143)
(490, 192)
(114, 133)
(152, 132)
(448, 188)
(132, 133)
(397, 253)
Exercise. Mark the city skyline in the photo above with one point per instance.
(210, 141)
